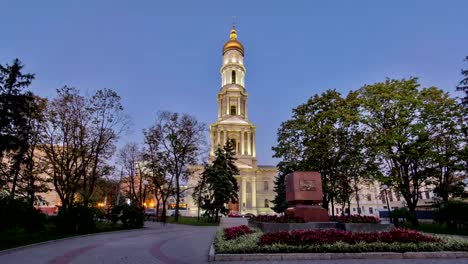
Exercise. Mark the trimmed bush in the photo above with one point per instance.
(355, 219)
(237, 231)
(279, 219)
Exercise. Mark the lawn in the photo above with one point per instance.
(20, 237)
(187, 220)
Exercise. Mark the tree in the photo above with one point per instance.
(220, 183)
(78, 139)
(463, 85)
(18, 108)
(318, 138)
(129, 157)
(178, 140)
(396, 115)
(280, 203)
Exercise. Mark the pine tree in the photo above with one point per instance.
(463, 85)
(280, 204)
(220, 183)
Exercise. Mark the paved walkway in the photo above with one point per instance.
(154, 244)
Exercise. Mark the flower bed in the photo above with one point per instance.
(355, 219)
(237, 231)
(331, 236)
(279, 219)
(395, 241)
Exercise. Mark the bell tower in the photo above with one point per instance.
(232, 122)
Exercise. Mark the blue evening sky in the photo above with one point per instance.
(166, 55)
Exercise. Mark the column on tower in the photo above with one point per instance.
(243, 192)
(227, 105)
(254, 191)
(245, 110)
(238, 106)
(248, 144)
(212, 143)
(224, 137)
(253, 145)
(219, 108)
(242, 146)
(217, 136)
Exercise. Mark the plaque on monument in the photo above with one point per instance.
(304, 194)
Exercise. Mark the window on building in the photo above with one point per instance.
(390, 196)
(354, 209)
(265, 186)
(234, 144)
(371, 210)
(233, 110)
(233, 76)
(426, 194)
(369, 197)
(267, 203)
(359, 210)
(420, 195)
(382, 196)
(337, 211)
(398, 196)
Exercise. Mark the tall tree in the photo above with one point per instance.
(17, 107)
(463, 85)
(395, 122)
(129, 156)
(314, 140)
(179, 138)
(78, 139)
(220, 182)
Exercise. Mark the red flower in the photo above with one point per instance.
(234, 232)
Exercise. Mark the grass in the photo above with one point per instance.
(20, 237)
(187, 220)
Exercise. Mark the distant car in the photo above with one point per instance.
(248, 215)
(150, 211)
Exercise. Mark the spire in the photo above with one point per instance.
(233, 34)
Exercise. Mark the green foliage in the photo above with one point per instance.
(131, 216)
(454, 213)
(249, 244)
(76, 219)
(218, 186)
(400, 216)
(463, 85)
(17, 214)
(280, 203)
(323, 135)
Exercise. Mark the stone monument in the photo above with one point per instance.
(304, 194)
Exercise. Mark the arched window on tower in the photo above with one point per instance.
(233, 76)
(267, 203)
(233, 110)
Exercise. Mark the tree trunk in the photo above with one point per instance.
(177, 200)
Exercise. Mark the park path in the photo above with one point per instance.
(155, 244)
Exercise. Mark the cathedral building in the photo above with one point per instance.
(255, 181)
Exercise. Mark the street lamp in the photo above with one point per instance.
(145, 183)
(385, 187)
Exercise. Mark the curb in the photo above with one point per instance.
(10, 250)
(329, 256)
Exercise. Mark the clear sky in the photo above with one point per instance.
(166, 55)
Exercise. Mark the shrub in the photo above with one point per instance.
(355, 219)
(331, 236)
(131, 216)
(279, 219)
(237, 231)
(17, 214)
(454, 213)
(76, 219)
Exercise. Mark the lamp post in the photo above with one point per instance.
(385, 187)
(145, 183)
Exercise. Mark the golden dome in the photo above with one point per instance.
(233, 43)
